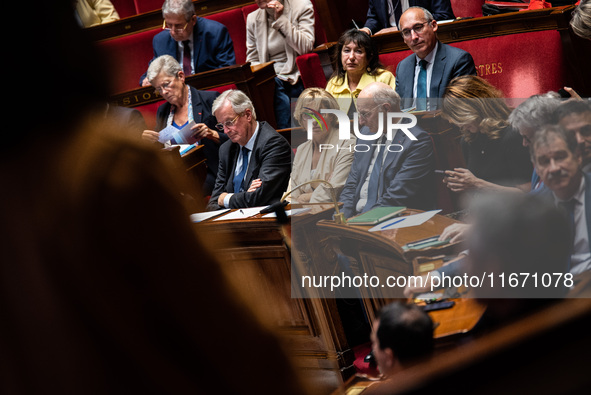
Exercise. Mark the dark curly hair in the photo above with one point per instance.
(363, 40)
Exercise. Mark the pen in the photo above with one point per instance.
(241, 212)
(354, 24)
(393, 223)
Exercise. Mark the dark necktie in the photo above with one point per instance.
(374, 178)
(187, 58)
(422, 86)
(569, 209)
(239, 178)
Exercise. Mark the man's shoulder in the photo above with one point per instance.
(268, 135)
(210, 26)
(452, 51)
(409, 61)
(163, 37)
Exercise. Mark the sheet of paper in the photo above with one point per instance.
(198, 217)
(289, 213)
(405, 221)
(182, 136)
(241, 213)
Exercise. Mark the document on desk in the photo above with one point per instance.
(198, 217)
(405, 221)
(241, 213)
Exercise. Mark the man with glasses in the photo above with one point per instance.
(396, 172)
(383, 16)
(198, 44)
(421, 78)
(255, 165)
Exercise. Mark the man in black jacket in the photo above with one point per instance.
(255, 164)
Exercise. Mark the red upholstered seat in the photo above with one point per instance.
(311, 70)
(319, 32)
(142, 6)
(391, 60)
(520, 65)
(124, 8)
(129, 57)
(467, 8)
(236, 25)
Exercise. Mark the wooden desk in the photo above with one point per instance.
(380, 254)
(257, 260)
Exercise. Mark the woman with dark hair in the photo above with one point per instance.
(356, 64)
(494, 155)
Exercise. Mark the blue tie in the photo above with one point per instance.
(374, 179)
(422, 86)
(239, 178)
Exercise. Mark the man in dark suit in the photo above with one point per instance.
(426, 73)
(384, 15)
(558, 161)
(255, 164)
(405, 175)
(198, 44)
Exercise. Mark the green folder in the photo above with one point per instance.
(375, 215)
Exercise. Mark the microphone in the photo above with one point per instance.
(274, 207)
(338, 217)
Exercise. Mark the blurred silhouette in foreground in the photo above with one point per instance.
(106, 287)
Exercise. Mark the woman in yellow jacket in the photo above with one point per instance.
(356, 64)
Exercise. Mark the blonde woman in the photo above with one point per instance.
(325, 156)
(493, 150)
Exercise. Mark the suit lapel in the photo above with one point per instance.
(261, 31)
(364, 163)
(392, 158)
(385, 17)
(233, 155)
(197, 105)
(196, 43)
(438, 69)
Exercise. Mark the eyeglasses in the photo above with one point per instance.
(165, 86)
(418, 29)
(228, 124)
(174, 29)
(366, 114)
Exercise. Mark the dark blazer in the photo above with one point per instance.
(377, 13)
(406, 178)
(545, 193)
(213, 47)
(202, 102)
(457, 267)
(270, 161)
(449, 62)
